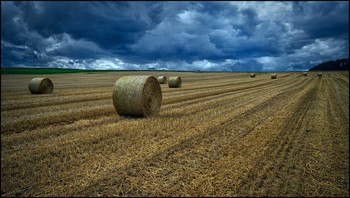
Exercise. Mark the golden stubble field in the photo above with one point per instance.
(220, 134)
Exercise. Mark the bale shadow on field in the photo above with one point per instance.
(131, 117)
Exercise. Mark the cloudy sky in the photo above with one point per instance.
(216, 36)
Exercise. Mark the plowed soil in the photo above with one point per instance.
(220, 134)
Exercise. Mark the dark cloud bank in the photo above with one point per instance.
(217, 36)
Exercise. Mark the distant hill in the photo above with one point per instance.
(340, 64)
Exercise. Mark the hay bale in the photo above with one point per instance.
(139, 96)
(162, 79)
(319, 74)
(40, 86)
(305, 74)
(174, 82)
(274, 76)
(252, 75)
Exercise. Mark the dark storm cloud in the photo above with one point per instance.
(105, 23)
(77, 29)
(323, 19)
(227, 36)
(202, 32)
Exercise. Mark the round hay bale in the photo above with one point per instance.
(139, 96)
(305, 74)
(319, 74)
(40, 86)
(252, 75)
(162, 79)
(274, 76)
(174, 82)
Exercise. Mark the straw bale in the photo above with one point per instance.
(40, 86)
(162, 79)
(139, 96)
(274, 76)
(174, 82)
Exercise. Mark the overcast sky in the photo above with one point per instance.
(217, 36)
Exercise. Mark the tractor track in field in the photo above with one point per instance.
(66, 98)
(334, 142)
(237, 92)
(192, 111)
(53, 148)
(93, 112)
(284, 148)
(217, 92)
(238, 123)
(185, 144)
(339, 93)
(221, 134)
(62, 88)
(210, 103)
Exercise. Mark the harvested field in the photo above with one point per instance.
(220, 134)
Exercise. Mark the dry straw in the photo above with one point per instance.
(162, 79)
(252, 75)
(319, 74)
(274, 76)
(305, 74)
(40, 86)
(174, 82)
(137, 96)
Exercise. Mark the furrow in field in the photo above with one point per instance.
(94, 142)
(31, 138)
(62, 97)
(326, 163)
(22, 119)
(341, 94)
(240, 154)
(58, 99)
(218, 76)
(64, 92)
(218, 91)
(128, 174)
(242, 127)
(17, 124)
(47, 102)
(20, 89)
(63, 152)
(201, 104)
(205, 102)
(344, 78)
(262, 89)
(68, 90)
(279, 139)
(285, 147)
(291, 165)
(337, 138)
